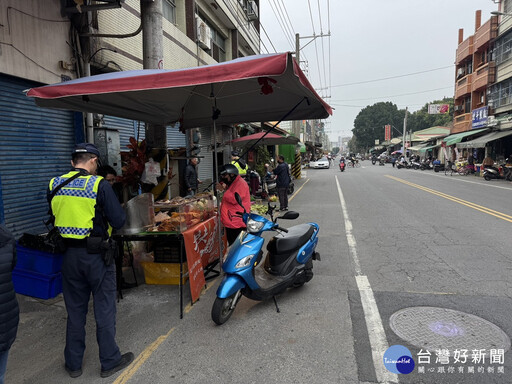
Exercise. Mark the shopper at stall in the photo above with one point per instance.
(191, 180)
(231, 183)
(83, 209)
(9, 310)
(110, 175)
(282, 171)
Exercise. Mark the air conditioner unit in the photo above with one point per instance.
(461, 72)
(458, 108)
(203, 34)
(252, 10)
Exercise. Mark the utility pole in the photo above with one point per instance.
(152, 50)
(405, 128)
(296, 124)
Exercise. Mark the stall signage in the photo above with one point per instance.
(202, 249)
(479, 117)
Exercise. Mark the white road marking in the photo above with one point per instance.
(376, 334)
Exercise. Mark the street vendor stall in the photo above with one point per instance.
(255, 88)
(181, 231)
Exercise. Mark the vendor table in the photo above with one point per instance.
(172, 237)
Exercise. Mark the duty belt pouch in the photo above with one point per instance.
(108, 251)
(94, 244)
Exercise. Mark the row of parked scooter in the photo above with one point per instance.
(414, 163)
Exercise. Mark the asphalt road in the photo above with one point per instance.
(400, 249)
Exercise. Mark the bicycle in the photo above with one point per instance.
(450, 169)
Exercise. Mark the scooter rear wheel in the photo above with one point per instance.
(223, 308)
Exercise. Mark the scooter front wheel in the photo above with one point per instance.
(223, 308)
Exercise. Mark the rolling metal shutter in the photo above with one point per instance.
(175, 139)
(35, 145)
(127, 128)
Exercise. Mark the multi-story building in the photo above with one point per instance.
(474, 71)
(57, 40)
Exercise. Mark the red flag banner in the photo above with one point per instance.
(387, 133)
(202, 249)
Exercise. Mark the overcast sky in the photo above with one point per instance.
(370, 40)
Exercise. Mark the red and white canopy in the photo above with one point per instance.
(250, 89)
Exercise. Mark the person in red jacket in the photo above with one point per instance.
(231, 182)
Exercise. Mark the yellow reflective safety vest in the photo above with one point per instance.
(74, 205)
(241, 171)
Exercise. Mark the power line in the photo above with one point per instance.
(393, 77)
(268, 38)
(404, 94)
(280, 24)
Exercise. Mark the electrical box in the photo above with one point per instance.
(108, 143)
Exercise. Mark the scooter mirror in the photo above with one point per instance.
(239, 200)
(290, 215)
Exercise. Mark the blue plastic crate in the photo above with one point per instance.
(38, 261)
(36, 284)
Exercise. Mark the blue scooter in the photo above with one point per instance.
(288, 263)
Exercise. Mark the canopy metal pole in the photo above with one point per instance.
(215, 115)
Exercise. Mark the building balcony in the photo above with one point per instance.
(464, 50)
(461, 123)
(486, 33)
(463, 86)
(484, 75)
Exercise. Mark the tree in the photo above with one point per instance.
(369, 124)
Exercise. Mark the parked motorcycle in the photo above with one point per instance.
(425, 165)
(288, 263)
(415, 164)
(402, 164)
(491, 173)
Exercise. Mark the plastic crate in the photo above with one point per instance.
(164, 273)
(36, 284)
(38, 261)
(168, 252)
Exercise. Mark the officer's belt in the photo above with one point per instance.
(76, 243)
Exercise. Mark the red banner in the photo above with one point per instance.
(387, 133)
(202, 249)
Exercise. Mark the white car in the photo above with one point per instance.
(321, 163)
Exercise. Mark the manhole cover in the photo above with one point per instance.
(439, 328)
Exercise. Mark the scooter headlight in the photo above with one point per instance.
(244, 262)
(254, 226)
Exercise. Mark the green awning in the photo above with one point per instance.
(415, 148)
(457, 137)
(480, 142)
(425, 149)
(302, 147)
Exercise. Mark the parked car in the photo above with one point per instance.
(321, 163)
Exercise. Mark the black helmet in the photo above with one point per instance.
(235, 153)
(228, 169)
(86, 148)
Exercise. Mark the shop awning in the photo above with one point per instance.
(457, 137)
(480, 142)
(416, 147)
(425, 149)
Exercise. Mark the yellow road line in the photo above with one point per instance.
(298, 190)
(137, 363)
(499, 215)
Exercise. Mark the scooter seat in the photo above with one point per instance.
(288, 242)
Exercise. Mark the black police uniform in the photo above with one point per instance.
(84, 273)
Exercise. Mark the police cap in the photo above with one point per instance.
(86, 148)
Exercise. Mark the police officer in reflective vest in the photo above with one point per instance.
(240, 164)
(84, 209)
